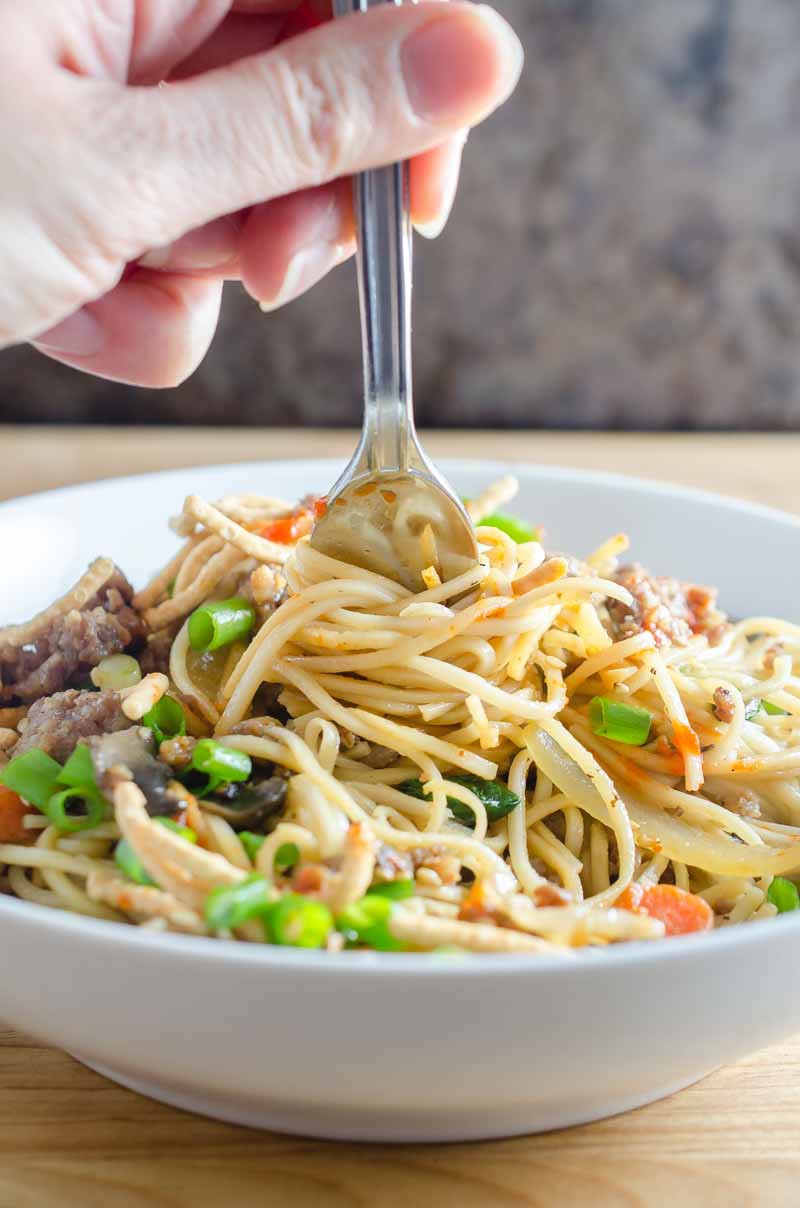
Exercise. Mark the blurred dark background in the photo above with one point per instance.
(624, 252)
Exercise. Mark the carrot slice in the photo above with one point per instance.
(289, 528)
(679, 911)
(12, 811)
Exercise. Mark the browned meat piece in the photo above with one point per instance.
(380, 757)
(393, 865)
(177, 752)
(724, 706)
(58, 723)
(670, 610)
(93, 620)
(265, 589)
(446, 866)
(156, 652)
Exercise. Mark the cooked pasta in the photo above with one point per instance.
(540, 755)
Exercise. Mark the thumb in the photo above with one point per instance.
(350, 95)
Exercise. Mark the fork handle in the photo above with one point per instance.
(383, 224)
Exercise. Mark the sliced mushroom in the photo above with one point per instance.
(250, 805)
(131, 751)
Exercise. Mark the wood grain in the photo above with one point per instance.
(68, 1137)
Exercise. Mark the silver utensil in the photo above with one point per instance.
(390, 511)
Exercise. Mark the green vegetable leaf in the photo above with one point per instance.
(621, 723)
(515, 528)
(755, 706)
(497, 798)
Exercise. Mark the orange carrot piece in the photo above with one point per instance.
(288, 529)
(12, 811)
(679, 911)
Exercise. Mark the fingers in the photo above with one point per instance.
(152, 330)
(434, 181)
(316, 108)
(282, 248)
(289, 244)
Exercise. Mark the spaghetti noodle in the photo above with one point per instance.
(523, 759)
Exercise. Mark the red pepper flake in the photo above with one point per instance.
(320, 507)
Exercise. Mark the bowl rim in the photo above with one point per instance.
(641, 954)
(541, 470)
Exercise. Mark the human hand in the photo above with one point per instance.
(127, 204)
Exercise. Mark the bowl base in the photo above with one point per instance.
(388, 1127)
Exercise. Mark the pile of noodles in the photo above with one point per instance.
(489, 674)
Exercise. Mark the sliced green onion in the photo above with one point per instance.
(497, 798)
(783, 894)
(33, 775)
(286, 857)
(395, 891)
(756, 706)
(93, 803)
(231, 905)
(166, 719)
(622, 723)
(79, 769)
(116, 672)
(222, 765)
(127, 859)
(185, 832)
(220, 623)
(251, 844)
(515, 528)
(171, 589)
(298, 922)
(367, 922)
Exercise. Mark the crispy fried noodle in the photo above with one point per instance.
(269, 745)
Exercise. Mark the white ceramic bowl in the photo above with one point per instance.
(400, 1047)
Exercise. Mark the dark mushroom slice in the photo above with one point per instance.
(248, 806)
(132, 751)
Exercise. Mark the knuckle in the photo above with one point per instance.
(324, 117)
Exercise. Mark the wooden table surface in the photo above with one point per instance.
(68, 1137)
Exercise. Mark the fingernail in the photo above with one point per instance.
(308, 266)
(211, 247)
(157, 257)
(78, 336)
(182, 258)
(450, 176)
(460, 65)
